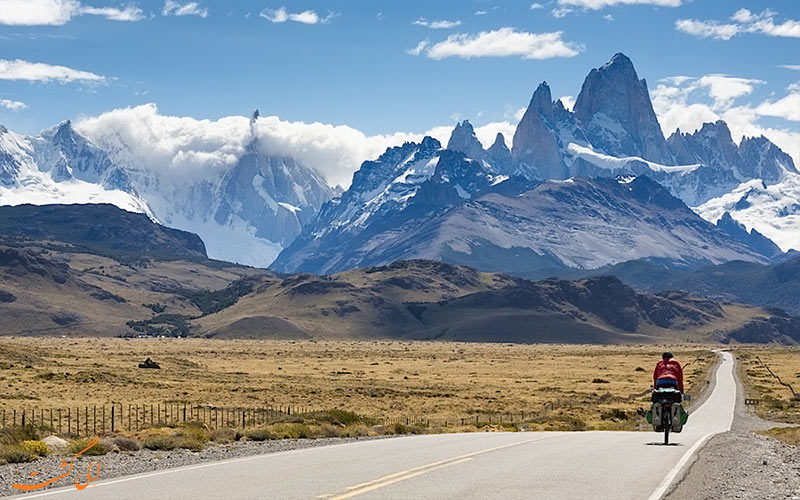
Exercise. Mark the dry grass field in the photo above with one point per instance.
(776, 401)
(565, 387)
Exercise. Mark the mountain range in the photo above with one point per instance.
(580, 188)
(246, 213)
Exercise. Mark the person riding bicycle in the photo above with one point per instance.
(668, 373)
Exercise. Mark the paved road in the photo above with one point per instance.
(540, 465)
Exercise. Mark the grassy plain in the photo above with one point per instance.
(563, 387)
(776, 401)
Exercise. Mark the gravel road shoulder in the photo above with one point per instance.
(129, 463)
(741, 464)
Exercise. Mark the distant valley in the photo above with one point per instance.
(160, 283)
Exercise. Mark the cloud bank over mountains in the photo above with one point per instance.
(184, 146)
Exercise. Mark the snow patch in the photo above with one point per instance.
(773, 211)
(614, 163)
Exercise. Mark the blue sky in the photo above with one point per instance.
(353, 65)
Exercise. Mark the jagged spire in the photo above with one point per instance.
(253, 119)
(463, 139)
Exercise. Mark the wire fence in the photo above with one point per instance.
(95, 420)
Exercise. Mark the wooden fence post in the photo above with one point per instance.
(112, 417)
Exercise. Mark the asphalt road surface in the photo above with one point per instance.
(534, 465)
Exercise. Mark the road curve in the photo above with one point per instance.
(540, 465)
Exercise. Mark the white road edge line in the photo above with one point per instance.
(667, 482)
(145, 475)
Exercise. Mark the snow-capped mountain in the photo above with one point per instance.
(772, 210)
(419, 201)
(246, 213)
(248, 203)
(577, 223)
(61, 181)
(405, 186)
(613, 131)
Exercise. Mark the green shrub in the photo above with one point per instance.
(36, 447)
(284, 431)
(225, 435)
(189, 442)
(355, 431)
(126, 444)
(79, 445)
(330, 431)
(194, 432)
(344, 417)
(398, 428)
(159, 442)
(12, 454)
(259, 434)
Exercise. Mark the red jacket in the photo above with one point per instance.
(669, 368)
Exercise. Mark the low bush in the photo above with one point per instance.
(225, 435)
(330, 431)
(355, 431)
(13, 454)
(790, 435)
(286, 431)
(159, 442)
(126, 444)
(36, 447)
(189, 442)
(79, 445)
(259, 434)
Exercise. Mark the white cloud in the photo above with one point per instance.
(560, 12)
(707, 29)
(436, 25)
(609, 18)
(42, 72)
(173, 8)
(37, 12)
(130, 13)
(177, 148)
(59, 12)
(787, 107)
(724, 89)
(794, 67)
(418, 48)
(281, 15)
(488, 133)
(536, 5)
(600, 4)
(13, 105)
(504, 42)
(480, 12)
(743, 21)
(568, 101)
(685, 103)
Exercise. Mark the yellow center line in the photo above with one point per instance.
(365, 487)
(398, 479)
